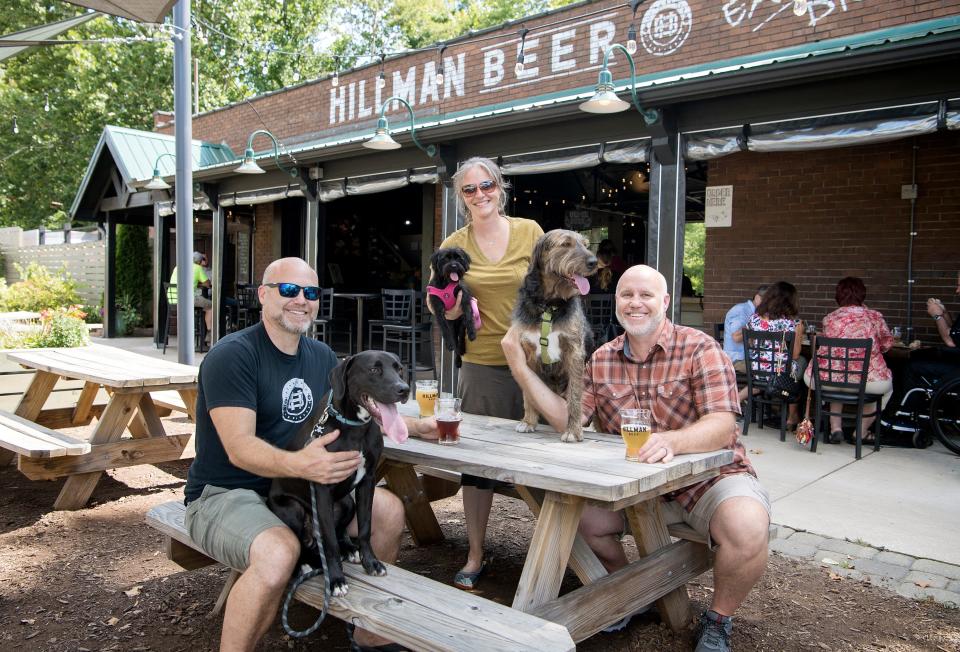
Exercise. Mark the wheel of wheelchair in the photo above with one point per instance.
(945, 414)
(921, 439)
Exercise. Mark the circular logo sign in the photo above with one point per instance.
(666, 25)
(297, 400)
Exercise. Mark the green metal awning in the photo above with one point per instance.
(135, 152)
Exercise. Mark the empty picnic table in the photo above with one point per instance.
(44, 454)
(557, 480)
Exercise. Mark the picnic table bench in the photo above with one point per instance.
(128, 379)
(412, 610)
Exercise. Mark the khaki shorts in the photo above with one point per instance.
(224, 522)
(728, 486)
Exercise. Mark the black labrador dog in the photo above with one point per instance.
(366, 388)
(449, 265)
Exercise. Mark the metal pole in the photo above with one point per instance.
(183, 195)
(913, 235)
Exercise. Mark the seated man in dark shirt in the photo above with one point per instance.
(933, 366)
(256, 388)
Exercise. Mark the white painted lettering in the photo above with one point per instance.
(362, 109)
(492, 68)
(559, 49)
(352, 104)
(428, 85)
(529, 58)
(454, 72)
(601, 36)
(406, 88)
(338, 104)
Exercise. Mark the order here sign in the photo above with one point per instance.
(719, 206)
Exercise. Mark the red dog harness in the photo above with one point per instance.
(449, 298)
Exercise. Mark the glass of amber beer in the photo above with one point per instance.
(427, 393)
(448, 421)
(635, 430)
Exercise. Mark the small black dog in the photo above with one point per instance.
(366, 388)
(449, 265)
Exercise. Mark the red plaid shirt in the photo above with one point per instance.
(684, 376)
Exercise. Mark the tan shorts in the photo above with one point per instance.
(224, 522)
(729, 486)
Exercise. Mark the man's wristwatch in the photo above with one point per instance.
(937, 317)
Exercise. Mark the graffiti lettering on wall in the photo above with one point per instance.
(757, 13)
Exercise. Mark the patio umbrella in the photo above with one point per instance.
(144, 11)
(10, 43)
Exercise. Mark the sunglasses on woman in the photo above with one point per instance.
(471, 189)
(291, 290)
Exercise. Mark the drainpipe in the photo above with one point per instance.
(911, 193)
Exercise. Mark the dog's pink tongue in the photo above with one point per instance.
(454, 277)
(582, 284)
(393, 426)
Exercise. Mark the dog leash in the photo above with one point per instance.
(303, 577)
(546, 326)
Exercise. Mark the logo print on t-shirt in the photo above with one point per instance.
(297, 400)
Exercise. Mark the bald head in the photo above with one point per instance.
(643, 274)
(285, 270)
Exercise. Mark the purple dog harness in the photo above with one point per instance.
(449, 298)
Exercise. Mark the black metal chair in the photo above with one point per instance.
(323, 325)
(765, 349)
(599, 310)
(718, 332)
(199, 325)
(248, 306)
(396, 306)
(846, 363)
(416, 331)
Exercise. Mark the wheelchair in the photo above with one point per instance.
(931, 409)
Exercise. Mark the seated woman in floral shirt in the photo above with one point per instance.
(777, 313)
(854, 320)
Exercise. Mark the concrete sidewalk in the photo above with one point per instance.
(892, 518)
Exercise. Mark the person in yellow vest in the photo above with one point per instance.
(500, 248)
(200, 280)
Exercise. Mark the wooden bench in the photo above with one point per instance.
(29, 439)
(405, 607)
(171, 401)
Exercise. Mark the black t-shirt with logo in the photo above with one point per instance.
(245, 369)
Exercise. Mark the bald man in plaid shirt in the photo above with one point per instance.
(682, 376)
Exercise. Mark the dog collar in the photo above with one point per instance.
(546, 325)
(445, 294)
(332, 411)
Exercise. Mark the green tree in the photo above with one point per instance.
(134, 267)
(694, 253)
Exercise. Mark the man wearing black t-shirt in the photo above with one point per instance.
(256, 388)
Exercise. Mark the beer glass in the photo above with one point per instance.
(427, 393)
(635, 430)
(448, 421)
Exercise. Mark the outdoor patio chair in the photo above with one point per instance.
(846, 363)
(323, 325)
(765, 347)
(406, 337)
(600, 315)
(398, 309)
(199, 325)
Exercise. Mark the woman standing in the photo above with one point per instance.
(777, 313)
(854, 320)
(499, 249)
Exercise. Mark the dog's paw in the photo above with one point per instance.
(339, 588)
(374, 567)
(352, 556)
(523, 426)
(571, 437)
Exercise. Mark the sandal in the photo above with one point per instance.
(836, 436)
(468, 580)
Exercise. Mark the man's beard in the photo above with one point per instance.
(282, 322)
(653, 323)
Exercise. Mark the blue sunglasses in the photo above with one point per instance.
(291, 290)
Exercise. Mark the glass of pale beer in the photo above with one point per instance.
(448, 421)
(427, 393)
(635, 430)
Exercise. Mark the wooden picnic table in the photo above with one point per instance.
(557, 480)
(128, 378)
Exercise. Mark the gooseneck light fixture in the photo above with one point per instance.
(249, 165)
(157, 182)
(381, 138)
(605, 98)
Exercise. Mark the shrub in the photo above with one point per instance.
(59, 327)
(134, 269)
(39, 290)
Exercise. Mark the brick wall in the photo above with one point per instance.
(812, 218)
(263, 240)
(558, 59)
